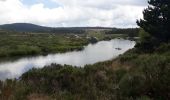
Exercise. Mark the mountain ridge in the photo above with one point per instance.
(29, 27)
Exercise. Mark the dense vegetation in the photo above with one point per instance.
(132, 76)
(33, 44)
(156, 24)
(130, 32)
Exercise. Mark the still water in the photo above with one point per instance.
(93, 53)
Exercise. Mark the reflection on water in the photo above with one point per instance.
(102, 51)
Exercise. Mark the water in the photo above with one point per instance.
(93, 53)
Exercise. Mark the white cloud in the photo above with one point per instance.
(100, 3)
(114, 13)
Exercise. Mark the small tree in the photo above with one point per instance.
(156, 20)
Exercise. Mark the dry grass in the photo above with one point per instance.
(36, 96)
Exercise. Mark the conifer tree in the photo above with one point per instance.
(156, 20)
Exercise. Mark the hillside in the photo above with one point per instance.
(27, 27)
(24, 27)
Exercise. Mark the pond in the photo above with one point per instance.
(93, 53)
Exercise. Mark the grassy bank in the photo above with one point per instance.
(32, 44)
(16, 44)
(27, 44)
(132, 76)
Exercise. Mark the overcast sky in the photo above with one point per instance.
(72, 13)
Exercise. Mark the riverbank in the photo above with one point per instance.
(132, 76)
(31, 44)
(21, 45)
(91, 54)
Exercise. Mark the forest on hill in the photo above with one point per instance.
(27, 28)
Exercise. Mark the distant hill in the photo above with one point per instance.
(27, 27)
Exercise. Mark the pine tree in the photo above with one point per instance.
(156, 20)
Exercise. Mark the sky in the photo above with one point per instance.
(73, 13)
